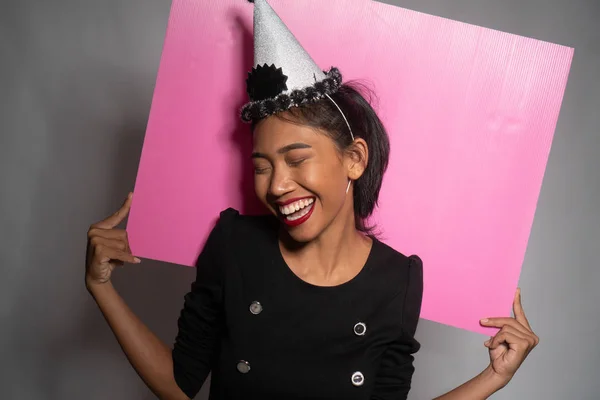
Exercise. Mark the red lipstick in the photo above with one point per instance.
(290, 201)
(300, 220)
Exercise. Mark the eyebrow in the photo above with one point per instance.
(284, 149)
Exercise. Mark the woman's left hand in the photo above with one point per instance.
(512, 344)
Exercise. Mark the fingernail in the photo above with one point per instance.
(130, 195)
(486, 343)
(484, 320)
(137, 260)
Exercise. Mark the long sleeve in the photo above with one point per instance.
(393, 380)
(200, 323)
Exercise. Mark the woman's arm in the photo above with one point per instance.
(176, 374)
(508, 349)
(394, 377)
(150, 357)
(480, 387)
(107, 248)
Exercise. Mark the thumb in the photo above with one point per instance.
(117, 217)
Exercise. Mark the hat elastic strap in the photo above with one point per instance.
(341, 112)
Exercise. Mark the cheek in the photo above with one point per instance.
(323, 178)
(261, 186)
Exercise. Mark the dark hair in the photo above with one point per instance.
(365, 123)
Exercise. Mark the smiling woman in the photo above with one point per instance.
(304, 303)
(306, 157)
(358, 142)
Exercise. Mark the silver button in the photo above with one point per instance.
(358, 378)
(256, 308)
(243, 366)
(360, 329)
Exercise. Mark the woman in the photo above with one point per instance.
(305, 303)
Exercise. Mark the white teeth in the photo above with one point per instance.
(295, 207)
(300, 214)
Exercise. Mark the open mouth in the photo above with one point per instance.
(297, 212)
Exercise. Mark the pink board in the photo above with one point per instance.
(471, 114)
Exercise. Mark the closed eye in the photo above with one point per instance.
(260, 171)
(295, 163)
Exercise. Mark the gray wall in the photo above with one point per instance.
(76, 80)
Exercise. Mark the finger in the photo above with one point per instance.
(117, 234)
(518, 311)
(107, 242)
(529, 337)
(510, 329)
(487, 342)
(514, 342)
(118, 217)
(106, 254)
(501, 322)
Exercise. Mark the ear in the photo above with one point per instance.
(357, 158)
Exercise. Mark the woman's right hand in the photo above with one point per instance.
(107, 247)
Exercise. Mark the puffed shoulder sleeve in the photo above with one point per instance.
(201, 320)
(393, 380)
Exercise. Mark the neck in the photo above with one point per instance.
(334, 256)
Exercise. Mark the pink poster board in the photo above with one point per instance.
(471, 113)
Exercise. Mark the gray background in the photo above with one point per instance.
(76, 82)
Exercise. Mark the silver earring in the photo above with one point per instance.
(348, 187)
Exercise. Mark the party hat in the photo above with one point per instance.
(284, 74)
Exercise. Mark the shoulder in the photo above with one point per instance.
(404, 275)
(234, 234)
(234, 225)
(396, 261)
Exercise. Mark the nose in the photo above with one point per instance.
(281, 183)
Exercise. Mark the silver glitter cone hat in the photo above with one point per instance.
(284, 74)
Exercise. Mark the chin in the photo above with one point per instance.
(305, 227)
(302, 234)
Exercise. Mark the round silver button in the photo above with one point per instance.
(256, 308)
(360, 329)
(243, 366)
(358, 378)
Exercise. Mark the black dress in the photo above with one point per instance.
(267, 334)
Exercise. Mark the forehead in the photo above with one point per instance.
(273, 133)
